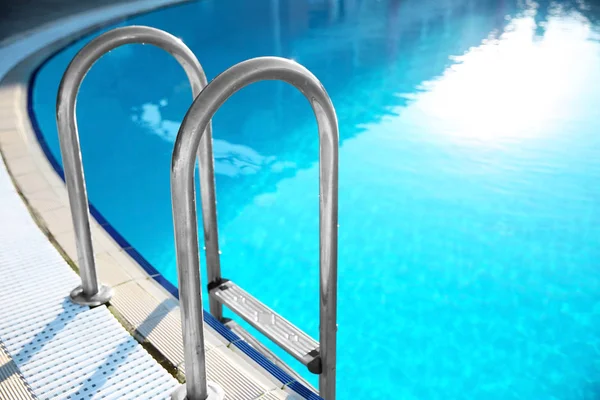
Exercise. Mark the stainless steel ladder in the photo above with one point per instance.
(91, 292)
(319, 357)
(195, 135)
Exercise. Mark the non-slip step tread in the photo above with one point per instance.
(304, 348)
(12, 383)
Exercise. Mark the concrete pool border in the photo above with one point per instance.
(142, 294)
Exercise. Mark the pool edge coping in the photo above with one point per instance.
(41, 186)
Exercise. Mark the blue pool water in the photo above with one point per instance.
(469, 180)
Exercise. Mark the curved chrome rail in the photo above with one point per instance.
(91, 292)
(184, 210)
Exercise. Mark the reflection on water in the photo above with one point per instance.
(230, 159)
(468, 180)
(516, 85)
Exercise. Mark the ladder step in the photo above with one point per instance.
(258, 346)
(301, 346)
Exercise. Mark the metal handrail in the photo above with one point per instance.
(90, 292)
(185, 215)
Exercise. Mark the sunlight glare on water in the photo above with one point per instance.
(514, 86)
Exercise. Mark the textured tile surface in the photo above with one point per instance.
(12, 384)
(62, 350)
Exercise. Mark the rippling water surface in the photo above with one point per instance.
(469, 180)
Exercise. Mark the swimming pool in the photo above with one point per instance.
(468, 180)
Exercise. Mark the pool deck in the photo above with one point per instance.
(49, 346)
(60, 349)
